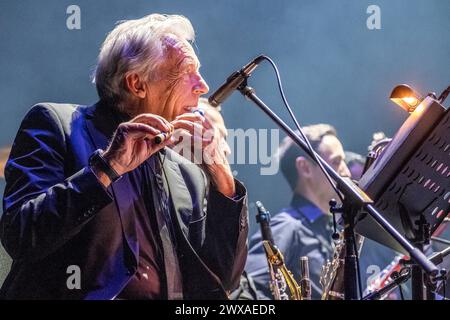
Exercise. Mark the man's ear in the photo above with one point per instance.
(135, 85)
(303, 167)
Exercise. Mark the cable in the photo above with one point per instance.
(316, 159)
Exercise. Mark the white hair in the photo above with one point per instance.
(136, 46)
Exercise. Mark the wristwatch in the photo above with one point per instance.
(97, 160)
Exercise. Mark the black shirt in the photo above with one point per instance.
(149, 280)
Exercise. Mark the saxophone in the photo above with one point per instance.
(276, 264)
(277, 284)
(281, 279)
(332, 276)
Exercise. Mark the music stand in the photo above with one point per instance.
(410, 182)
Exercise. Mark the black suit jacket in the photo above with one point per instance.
(57, 214)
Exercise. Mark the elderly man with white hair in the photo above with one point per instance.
(96, 208)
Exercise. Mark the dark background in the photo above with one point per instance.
(334, 69)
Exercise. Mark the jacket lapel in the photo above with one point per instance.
(205, 280)
(179, 194)
(101, 124)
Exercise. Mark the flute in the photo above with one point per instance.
(163, 136)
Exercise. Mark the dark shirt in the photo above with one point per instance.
(149, 280)
(300, 230)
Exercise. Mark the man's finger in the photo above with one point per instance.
(154, 121)
(141, 130)
(193, 140)
(195, 117)
(191, 117)
(192, 127)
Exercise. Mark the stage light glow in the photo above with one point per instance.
(404, 96)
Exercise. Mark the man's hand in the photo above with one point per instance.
(213, 160)
(133, 143)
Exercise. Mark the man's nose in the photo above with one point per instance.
(344, 171)
(201, 87)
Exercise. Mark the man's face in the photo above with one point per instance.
(331, 150)
(179, 84)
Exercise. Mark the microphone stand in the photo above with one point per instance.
(355, 200)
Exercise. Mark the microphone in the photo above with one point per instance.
(263, 218)
(233, 82)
